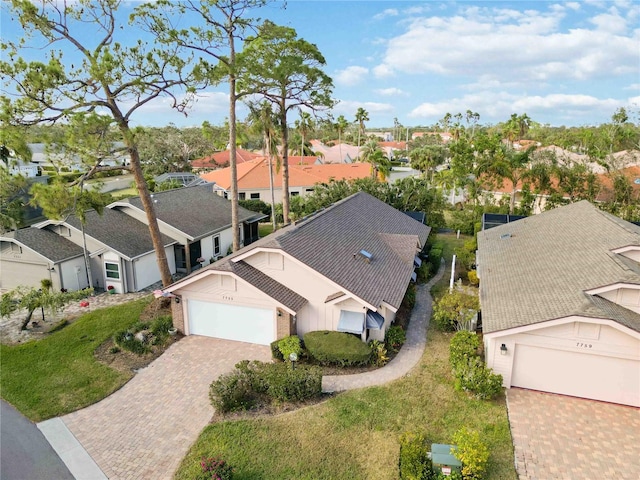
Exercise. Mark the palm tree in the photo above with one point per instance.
(373, 154)
(263, 120)
(361, 116)
(341, 125)
(303, 125)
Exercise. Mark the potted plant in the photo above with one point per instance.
(111, 289)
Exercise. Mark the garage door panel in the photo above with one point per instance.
(231, 322)
(13, 274)
(577, 374)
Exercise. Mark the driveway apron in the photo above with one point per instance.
(558, 437)
(144, 430)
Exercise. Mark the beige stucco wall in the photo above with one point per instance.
(316, 314)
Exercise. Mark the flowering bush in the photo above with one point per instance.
(110, 287)
(215, 469)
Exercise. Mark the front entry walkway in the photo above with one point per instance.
(409, 355)
(144, 430)
(558, 437)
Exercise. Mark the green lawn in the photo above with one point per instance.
(59, 374)
(355, 434)
(265, 229)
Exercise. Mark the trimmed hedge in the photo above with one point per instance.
(337, 348)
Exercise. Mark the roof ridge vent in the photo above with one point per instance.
(505, 236)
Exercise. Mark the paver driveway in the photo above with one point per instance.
(144, 429)
(558, 437)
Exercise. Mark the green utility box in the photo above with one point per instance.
(442, 460)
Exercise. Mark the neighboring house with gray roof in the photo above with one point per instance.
(119, 247)
(345, 268)
(195, 224)
(199, 219)
(30, 255)
(560, 300)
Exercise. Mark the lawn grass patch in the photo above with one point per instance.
(265, 229)
(356, 434)
(59, 374)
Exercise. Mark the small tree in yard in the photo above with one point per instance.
(455, 309)
(31, 299)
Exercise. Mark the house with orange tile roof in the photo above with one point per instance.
(253, 178)
(221, 159)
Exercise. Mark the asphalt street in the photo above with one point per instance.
(24, 452)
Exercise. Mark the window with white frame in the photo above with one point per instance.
(255, 196)
(216, 245)
(112, 270)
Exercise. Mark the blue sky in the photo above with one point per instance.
(562, 63)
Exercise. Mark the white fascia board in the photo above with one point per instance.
(613, 286)
(627, 248)
(561, 321)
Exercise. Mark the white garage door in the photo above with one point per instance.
(231, 322)
(13, 274)
(576, 374)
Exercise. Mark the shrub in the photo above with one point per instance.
(232, 392)
(378, 353)
(454, 309)
(289, 345)
(215, 469)
(126, 340)
(423, 272)
(475, 377)
(472, 275)
(251, 381)
(414, 461)
(471, 374)
(395, 337)
(161, 325)
(410, 296)
(472, 452)
(292, 384)
(435, 254)
(463, 345)
(337, 348)
(276, 354)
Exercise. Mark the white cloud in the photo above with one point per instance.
(349, 107)
(527, 46)
(633, 86)
(389, 12)
(383, 71)
(351, 75)
(391, 92)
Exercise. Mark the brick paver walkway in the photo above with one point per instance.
(143, 430)
(558, 437)
(409, 354)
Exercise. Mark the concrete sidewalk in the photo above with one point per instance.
(409, 354)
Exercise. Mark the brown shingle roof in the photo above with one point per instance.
(329, 242)
(538, 268)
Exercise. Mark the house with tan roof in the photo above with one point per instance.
(253, 178)
(560, 302)
(221, 159)
(338, 153)
(334, 270)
